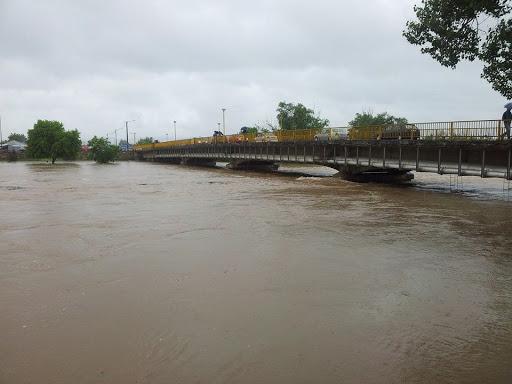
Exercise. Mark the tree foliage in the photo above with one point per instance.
(297, 116)
(102, 151)
(452, 31)
(265, 127)
(17, 137)
(145, 140)
(249, 130)
(48, 139)
(368, 118)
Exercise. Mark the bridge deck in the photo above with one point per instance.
(484, 159)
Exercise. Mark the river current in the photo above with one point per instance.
(154, 273)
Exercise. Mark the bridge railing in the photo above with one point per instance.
(462, 130)
(435, 131)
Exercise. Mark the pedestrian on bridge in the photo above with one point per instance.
(507, 119)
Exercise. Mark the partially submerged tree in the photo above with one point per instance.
(369, 119)
(297, 116)
(17, 137)
(48, 139)
(452, 31)
(102, 151)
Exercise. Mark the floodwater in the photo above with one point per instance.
(153, 273)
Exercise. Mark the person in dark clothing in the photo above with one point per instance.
(507, 119)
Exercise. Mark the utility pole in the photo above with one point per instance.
(115, 132)
(218, 125)
(126, 124)
(1, 140)
(133, 138)
(224, 121)
(174, 130)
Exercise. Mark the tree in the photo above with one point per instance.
(102, 151)
(451, 31)
(17, 137)
(48, 139)
(145, 140)
(266, 127)
(368, 119)
(249, 130)
(297, 116)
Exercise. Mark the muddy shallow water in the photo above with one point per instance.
(152, 273)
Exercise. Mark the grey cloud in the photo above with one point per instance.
(95, 64)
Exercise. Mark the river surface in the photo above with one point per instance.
(153, 273)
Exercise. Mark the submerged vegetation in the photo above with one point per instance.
(102, 151)
(48, 140)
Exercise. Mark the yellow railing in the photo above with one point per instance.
(453, 130)
(384, 132)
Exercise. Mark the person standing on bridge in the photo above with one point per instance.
(507, 119)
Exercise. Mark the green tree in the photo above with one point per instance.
(297, 116)
(48, 139)
(249, 130)
(368, 118)
(145, 140)
(452, 31)
(17, 137)
(102, 151)
(69, 145)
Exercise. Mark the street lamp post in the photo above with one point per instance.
(224, 121)
(174, 130)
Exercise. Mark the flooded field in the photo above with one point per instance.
(153, 273)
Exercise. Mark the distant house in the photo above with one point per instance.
(14, 146)
(123, 147)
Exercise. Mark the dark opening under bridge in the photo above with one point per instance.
(369, 159)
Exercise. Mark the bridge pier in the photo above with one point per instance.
(253, 165)
(363, 174)
(168, 160)
(198, 161)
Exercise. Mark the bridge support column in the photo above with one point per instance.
(253, 165)
(362, 174)
(171, 160)
(202, 162)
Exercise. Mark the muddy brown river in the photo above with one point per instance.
(152, 273)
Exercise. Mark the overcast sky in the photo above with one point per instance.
(94, 64)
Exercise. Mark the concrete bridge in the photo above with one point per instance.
(358, 160)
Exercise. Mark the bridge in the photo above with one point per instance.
(379, 153)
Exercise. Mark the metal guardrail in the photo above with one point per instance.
(463, 130)
(491, 130)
